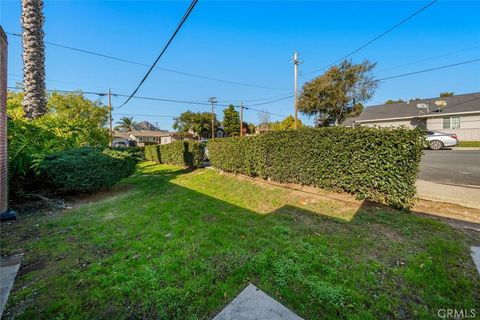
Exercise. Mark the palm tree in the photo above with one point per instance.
(126, 123)
(34, 101)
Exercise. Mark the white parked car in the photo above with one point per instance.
(438, 140)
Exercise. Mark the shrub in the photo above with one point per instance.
(71, 121)
(181, 153)
(86, 169)
(176, 153)
(152, 153)
(134, 152)
(197, 153)
(372, 163)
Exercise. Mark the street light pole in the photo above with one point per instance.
(110, 117)
(296, 62)
(241, 119)
(213, 100)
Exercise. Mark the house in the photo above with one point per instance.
(121, 138)
(262, 128)
(142, 137)
(459, 114)
(205, 134)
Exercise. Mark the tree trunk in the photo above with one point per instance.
(34, 101)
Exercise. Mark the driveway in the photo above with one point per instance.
(453, 167)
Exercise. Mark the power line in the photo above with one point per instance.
(164, 99)
(427, 59)
(184, 18)
(65, 91)
(85, 51)
(377, 37)
(263, 111)
(427, 70)
(134, 97)
(189, 74)
(250, 106)
(253, 100)
(272, 101)
(143, 115)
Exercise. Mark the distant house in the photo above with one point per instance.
(121, 139)
(262, 128)
(458, 114)
(142, 137)
(205, 134)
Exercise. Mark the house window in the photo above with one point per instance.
(455, 122)
(451, 122)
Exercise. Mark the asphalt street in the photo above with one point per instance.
(453, 167)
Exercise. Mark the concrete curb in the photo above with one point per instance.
(460, 195)
(466, 148)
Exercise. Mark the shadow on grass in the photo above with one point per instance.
(183, 246)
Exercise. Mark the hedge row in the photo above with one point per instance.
(181, 153)
(372, 163)
(87, 169)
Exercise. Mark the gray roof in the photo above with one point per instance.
(455, 104)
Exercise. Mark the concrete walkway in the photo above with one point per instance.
(253, 304)
(8, 270)
(465, 196)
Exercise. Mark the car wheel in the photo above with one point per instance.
(436, 145)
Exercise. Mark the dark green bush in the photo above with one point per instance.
(196, 150)
(152, 153)
(87, 169)
(134, 152)
(372, 163)
(181, 153)
(175, 153)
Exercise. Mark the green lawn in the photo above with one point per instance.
(469, 144)
(181, 245)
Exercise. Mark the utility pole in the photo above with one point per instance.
(241, 119)
(110, 116)
(213, 100)
(296, 62)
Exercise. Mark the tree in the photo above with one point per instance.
(126, 123)
(338, 93)
(286, 124)
(231, 121)
(34, 100)
(197, 122)
(251, 128)
(76, 119)
(70, 121)
(446, 94)
(390, 101)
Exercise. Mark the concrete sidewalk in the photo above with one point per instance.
(466, 196)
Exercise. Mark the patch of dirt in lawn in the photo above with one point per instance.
(29, 266)
(41, 203)
(89, 198)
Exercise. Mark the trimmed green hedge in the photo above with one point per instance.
(378, 164)
(152, 153)
(87, 169)
(181, 153)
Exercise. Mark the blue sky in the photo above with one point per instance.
(249, 42)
